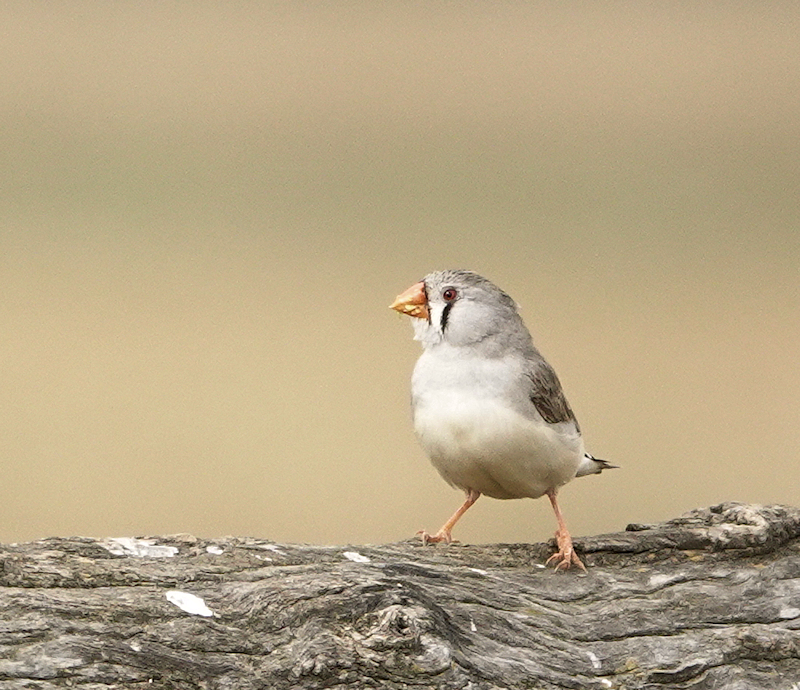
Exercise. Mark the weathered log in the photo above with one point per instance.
(708, 600)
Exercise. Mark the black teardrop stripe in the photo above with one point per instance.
(446, 313)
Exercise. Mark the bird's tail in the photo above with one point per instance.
(593, 465)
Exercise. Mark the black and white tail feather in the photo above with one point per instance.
(593, 465)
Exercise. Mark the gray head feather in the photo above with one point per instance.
(480, 314)
(468, 311)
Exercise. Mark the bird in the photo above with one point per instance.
(487, 408)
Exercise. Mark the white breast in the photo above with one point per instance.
(475, 437)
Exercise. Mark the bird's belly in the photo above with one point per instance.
(487, 446)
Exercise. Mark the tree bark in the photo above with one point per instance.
(708, 600)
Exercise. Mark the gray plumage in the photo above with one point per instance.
(488, 408)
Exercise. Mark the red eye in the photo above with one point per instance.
(449, 294)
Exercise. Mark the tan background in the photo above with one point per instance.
(207, 208)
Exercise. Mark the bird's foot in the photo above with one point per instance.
(444, 534)
(441, 535)
(565, 557)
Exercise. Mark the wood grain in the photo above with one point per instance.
(708, 600)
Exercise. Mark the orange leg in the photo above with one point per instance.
(444, 533)
(565, 557)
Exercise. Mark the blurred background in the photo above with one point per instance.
(206, 209)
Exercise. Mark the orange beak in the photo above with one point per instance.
(412, 302)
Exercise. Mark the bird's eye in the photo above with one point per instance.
(449, 294)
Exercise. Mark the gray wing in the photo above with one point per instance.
(546, 394)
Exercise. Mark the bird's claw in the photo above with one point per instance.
(564, 561)
(565, 557)
(446, 537)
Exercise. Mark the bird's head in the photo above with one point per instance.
(457, 307)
